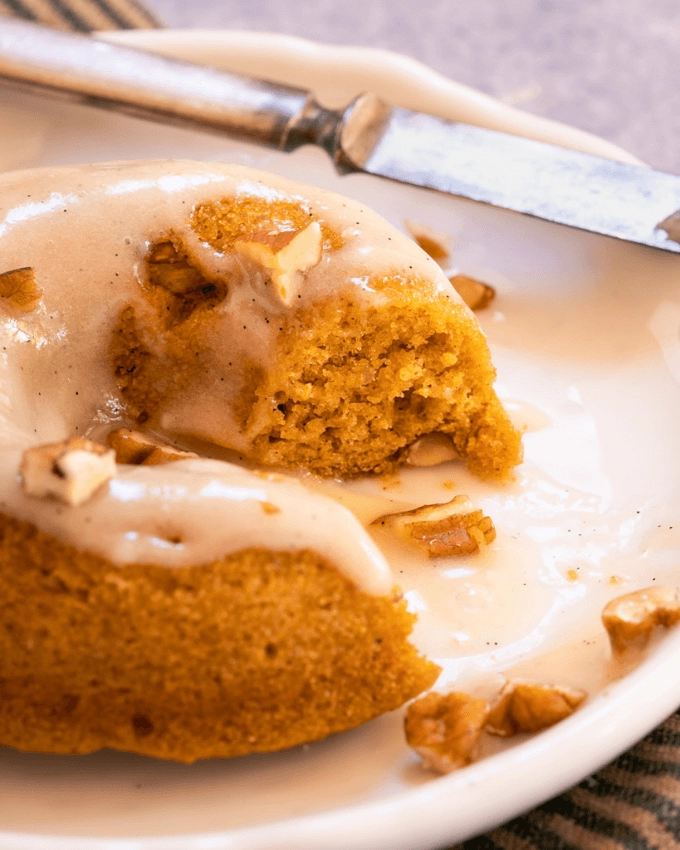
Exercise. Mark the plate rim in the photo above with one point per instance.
(421, 817)
(451, 99)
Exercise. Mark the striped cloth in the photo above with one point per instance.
(633, 803)
(82, 15)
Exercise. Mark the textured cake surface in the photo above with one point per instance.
(256, 652)
(352, 379)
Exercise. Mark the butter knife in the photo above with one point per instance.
(546, 181)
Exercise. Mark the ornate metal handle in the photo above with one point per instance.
(148, 86)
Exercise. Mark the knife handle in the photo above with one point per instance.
(145, 85)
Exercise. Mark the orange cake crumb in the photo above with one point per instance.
(256, 652)
(349, 387)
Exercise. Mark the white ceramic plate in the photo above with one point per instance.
(585, 334)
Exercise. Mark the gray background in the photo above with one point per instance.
(608, 66)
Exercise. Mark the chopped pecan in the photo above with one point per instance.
(171, 269)
(444, 728)
(477, 295)
(530, 707)
(431, 450)
(453, 528)
(71, 471)
(133, 447)
(435, 245)
(20, 288)
(285, 255)
(632, 617)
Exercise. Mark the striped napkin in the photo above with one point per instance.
(633, 803)
(82, 15)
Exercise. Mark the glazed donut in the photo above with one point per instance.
(214, 325)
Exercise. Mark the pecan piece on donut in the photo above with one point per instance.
(139, 449)
(172, 270)
(285, 256)
(71, 471)
(20, 288)
(431, 450)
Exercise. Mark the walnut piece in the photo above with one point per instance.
(19, 287)
(477, 295)
(142, 450)
(286, 256)
(444, 728)
(71, 471)
(431, 450)
(435, 245)
(453, 528)
(632, 617)
(530, 707)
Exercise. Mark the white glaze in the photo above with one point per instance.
(85, 232)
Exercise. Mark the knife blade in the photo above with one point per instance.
(563, 186)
